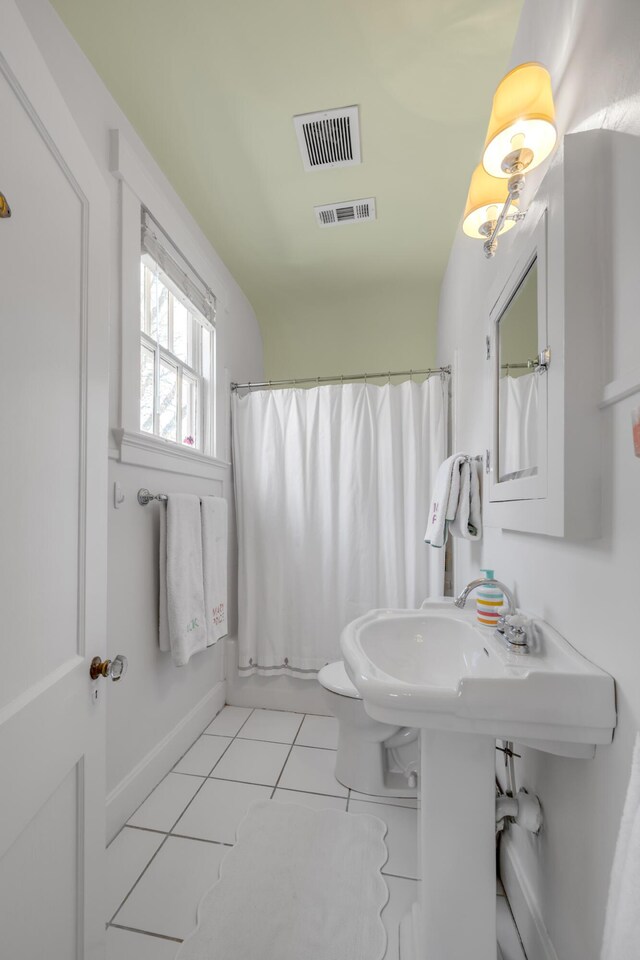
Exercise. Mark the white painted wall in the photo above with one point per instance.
(155, 712)
(587, 590)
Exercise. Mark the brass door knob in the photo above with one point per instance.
(109, 669)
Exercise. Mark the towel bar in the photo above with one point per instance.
(145, 497)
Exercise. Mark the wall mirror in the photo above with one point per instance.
(518, 382)
(518, 351)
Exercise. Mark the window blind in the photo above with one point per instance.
(179, 271)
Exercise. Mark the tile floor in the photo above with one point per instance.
(168, 854)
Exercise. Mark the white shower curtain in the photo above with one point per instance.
(332, 494)
(518, 422)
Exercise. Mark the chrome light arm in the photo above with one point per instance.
(493, 227)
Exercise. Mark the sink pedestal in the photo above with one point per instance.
(455, 918)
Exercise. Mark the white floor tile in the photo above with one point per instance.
(508, 937)
(203, 756)
(228, 721)
(402, 894)
(402, 835)
(218, 809)
(275, 725)
(395, 801)
(253, 762)
(162, 808)
(127, 856)
(319, 732)
(311, 769)
(125, 945)
(167, 896)
(317, 801)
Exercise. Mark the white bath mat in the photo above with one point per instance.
(300, 884)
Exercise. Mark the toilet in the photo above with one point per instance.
(372, 757)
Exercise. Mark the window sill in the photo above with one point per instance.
(145, 450)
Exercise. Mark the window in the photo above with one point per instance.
(176, 345)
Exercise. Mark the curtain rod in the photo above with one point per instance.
(341, 377)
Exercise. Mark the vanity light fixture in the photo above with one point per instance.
(487, 197)
(521, 135)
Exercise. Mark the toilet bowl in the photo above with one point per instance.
(372, 757)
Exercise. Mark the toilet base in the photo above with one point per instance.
(361, 765)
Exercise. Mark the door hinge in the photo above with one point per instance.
(488, 343)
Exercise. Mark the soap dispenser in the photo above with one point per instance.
(489, 602)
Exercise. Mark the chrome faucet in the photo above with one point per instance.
(509, 627)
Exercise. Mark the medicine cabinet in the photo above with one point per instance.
(544, 367)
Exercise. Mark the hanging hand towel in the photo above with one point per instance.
(182, 629)
(467, 522)
(622, 925)
(214, 553)
(444, 502)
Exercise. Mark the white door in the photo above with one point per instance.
(53, 398)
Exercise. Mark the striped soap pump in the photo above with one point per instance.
(489, 602)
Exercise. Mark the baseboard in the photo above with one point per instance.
(270, 693)
(524, 905)
(138, 784)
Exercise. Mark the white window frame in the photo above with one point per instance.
(130, 445)
(196, 370)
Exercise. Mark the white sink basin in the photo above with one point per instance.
(436, 668)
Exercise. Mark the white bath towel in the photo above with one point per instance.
(467, 522)
(214, 554)
(621, 939)
(444, 501)
(182, 623)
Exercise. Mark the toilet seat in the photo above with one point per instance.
(334, 677)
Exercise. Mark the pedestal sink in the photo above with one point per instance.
(436, 669)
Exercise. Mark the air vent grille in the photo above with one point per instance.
(350, 211)
(328, 139)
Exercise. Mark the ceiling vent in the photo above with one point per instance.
(330, 138)
(351, 211)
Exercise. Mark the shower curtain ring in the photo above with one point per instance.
(411, 375)
(389, 378)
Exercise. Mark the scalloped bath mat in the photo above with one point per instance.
(300, 884)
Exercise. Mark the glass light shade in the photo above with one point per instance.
(484, 202)
(522, 119)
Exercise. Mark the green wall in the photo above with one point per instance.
(322, 332)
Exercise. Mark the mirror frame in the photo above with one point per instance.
(533, 248)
